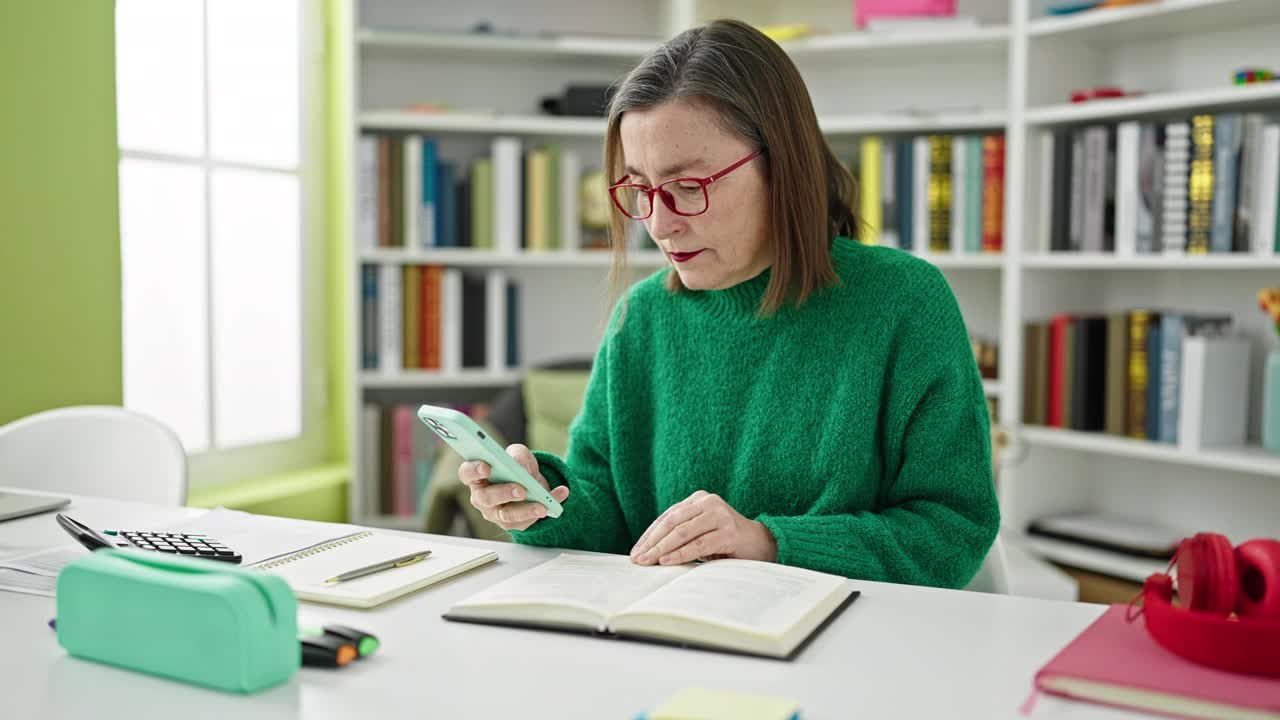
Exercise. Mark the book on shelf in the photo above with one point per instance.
(739, 606)
(1203, 185)
(889, 194)
(1200, 186)
(1179, 378)
(1111, 533)
(410, 196)
(993, 147)
(870, 163)
(939, 193)
(932, 193)
(397, 456)
(435, 318)
(910, 25)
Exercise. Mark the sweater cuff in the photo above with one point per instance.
(553, 468)
(818, 542)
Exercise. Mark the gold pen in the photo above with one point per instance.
(401, 561)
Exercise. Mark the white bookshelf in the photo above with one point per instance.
(432, 379)
(906, 123)
(1110, 261)
(1134, 569)
(1227, 97)
(465, 257)
(1012, 74)
(494, 123)
(515, 47)
(897, 45)
(1181, 54)
(1154, 20)
(482, 124)
(1249, 460)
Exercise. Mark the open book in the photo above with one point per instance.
(741, 606)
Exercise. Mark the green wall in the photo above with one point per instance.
(338, 145)
(59, 225)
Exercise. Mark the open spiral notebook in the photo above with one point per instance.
(307, 569)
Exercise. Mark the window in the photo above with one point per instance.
(214, 223)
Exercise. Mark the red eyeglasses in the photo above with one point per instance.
(683, 196)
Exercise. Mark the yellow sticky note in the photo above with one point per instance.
(704, 704)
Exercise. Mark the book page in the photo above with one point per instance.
(761, 598)
(603, 584)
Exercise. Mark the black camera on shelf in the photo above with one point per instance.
(579, 100)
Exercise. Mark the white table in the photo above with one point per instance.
(899, 651)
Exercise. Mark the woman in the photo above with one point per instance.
(780, 393)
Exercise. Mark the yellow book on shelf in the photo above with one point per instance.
(939, 193)
(869, 190)
(482, 204)
(551, 197)
(1200, 185)
(535, 200)
(412, 317)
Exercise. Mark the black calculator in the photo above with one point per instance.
(174, 543)
(180, 544)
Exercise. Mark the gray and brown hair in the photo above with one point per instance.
(757, 93)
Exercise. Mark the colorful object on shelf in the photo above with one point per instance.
(1248, 76)
(866, 9)
(1071, 7)
(1269, 301)
(789, 31)
(1098, 93)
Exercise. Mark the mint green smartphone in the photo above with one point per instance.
(468, 440)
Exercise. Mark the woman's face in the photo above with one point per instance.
(725, 245)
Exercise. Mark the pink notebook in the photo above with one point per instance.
(1117, 663)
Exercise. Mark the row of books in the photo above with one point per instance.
(430, 317)
(934, 193)
(1209, 184)
(986, 353)
(1172, 377)
(408, 196)
(398, 454)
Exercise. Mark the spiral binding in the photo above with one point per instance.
(314, 550)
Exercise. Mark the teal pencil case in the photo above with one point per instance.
(193, 620)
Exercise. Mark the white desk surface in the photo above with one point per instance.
(899, 651)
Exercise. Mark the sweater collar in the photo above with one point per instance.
(741, 301)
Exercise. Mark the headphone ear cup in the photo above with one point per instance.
(1258, 568)
(1207, 578)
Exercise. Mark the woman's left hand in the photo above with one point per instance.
(703, 526)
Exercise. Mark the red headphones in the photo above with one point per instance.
(1215, 581)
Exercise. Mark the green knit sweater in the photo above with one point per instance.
(854, 427)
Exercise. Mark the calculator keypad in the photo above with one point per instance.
(182, 544)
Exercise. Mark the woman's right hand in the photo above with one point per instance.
(503, 504)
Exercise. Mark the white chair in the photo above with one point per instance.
(103, 451)
(993, 576)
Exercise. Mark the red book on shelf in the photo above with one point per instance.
(1057, 367)
(430, 317)
(1117, 663)
(993, 193)
(402, 480)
